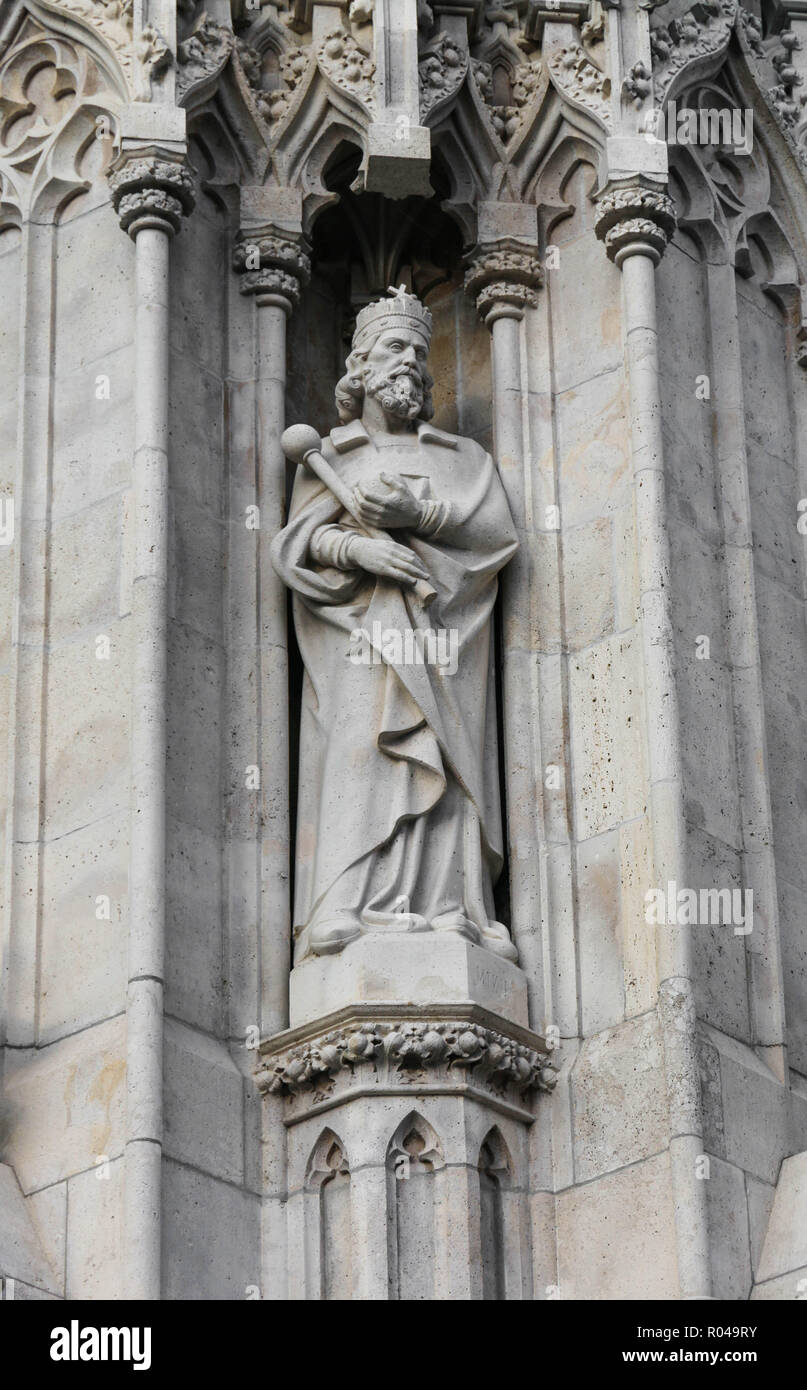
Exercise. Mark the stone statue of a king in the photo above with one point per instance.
(393, 560)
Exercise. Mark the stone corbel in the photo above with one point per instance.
(543, 12)
(571, 68)
(317, 15)
(149, 190)
(201, 58)
(149, 179)
(461, 19)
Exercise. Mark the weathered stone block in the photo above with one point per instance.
(600, 1255)
(204, 1122)
(620, 1111)
(85, 876)
(69, 1101)
(594, 468)
(211, 1233)
(728, 1231)
(606, 706)
(95, 1267)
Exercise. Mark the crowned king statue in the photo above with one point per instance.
(396, 534)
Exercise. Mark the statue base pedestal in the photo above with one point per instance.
(407, 1089)
(408, 968)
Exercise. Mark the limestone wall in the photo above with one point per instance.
(67, 594)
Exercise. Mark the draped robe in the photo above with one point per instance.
(399, 823)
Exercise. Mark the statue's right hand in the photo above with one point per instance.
(387, 558)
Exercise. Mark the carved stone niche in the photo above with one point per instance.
(394, 1112)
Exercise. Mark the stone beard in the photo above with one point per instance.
(399, 822)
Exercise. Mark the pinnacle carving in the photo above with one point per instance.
(441, 71)
(292, 66)
(581, 81)
(700, 34)
(507, 120)
(202, 56)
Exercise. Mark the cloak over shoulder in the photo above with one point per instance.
(377, 740)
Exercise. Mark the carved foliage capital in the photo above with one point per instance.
(503, 279)
(634, 217)
(272, 264)
(151, 191)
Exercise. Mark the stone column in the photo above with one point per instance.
(503, 277)
(635, 221)
(274, 265)
(150, 193)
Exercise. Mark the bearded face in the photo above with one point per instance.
(393, 372)
(399, 391)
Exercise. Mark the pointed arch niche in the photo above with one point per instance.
(414, 1160)
(328, 1227)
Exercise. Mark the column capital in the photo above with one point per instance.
(151, 185)
(635, 217)
(273, 264)
(503, 277)
(150, 189)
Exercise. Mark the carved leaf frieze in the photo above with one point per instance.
(406, 1052)
(780, 83)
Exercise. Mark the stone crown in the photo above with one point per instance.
(401, 311)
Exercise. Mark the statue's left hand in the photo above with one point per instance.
(386, 502)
